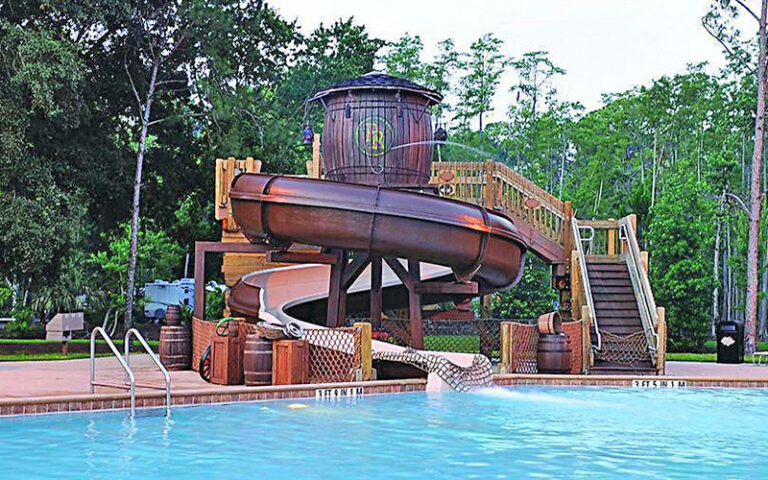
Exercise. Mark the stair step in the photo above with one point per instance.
(607, 267)
(609, 276)
(614, 298)
(602, 304)
(611, 289)
(613, 313)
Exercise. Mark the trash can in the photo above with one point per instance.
(730, 342)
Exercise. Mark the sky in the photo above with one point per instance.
(606, 46)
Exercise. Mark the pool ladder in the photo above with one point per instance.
(130, 379)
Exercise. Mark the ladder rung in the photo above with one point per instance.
(121, 386)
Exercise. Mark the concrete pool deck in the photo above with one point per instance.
(53, 386)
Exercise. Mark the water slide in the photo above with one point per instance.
(452, 239)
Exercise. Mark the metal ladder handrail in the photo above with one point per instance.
(576, 229)
(158, 363)
(126, 367)
(641, 286)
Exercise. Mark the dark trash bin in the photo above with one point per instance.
(730, 342)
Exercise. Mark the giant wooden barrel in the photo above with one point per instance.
(378, 131)
(554, 354)
(257, 360)
(175, 348)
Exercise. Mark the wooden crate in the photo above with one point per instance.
(290, 362)
(226, 361)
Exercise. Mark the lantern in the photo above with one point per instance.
(308, 134)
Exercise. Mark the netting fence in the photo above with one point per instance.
(335, 355)
(629, 349)
(479, 335)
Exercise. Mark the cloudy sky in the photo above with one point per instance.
(605, 45)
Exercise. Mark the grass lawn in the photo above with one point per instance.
(77, 341)
(700, 357)
(20, 357)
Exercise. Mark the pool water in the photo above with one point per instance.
(496, 433)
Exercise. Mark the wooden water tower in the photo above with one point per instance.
(378, 131)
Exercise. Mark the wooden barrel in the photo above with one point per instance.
(173, 316)
(551, 323)
(257, 360)
(175, 348)
(554, 354)
(365, 119)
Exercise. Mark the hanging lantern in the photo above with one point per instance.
(308, 134)
(440, 134)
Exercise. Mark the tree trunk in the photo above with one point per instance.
(131, 289)
(716, 290)
(753, 251)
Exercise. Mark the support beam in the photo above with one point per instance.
(201, 248)
(414, 305)
(300, 257)
(469, 288)
(376, 292)
(337, 298)
(354, 268)
(400, 271)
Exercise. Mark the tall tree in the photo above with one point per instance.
(403, 58)
(157, 32)
(729, 38)
(483, 66)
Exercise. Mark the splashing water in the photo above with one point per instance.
(530, 396)
(455, 144)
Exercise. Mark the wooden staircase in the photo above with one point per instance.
(612, 295)
(616, 308)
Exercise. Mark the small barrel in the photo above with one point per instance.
(554, 354)
(257, 360)
(551, 323)
(173, 316)
(175, 348)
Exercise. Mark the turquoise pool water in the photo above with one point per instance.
(498, 433)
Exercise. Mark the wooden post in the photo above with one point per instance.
(612, 241)
(316, 160)
(644, 259)
(414, 305)
(199, 293)
(336, 297)
(489, 195)
(376, 292)
(589, 361)
(575, 285)
(505, 347)
(366, 362)
(566, 232)
(661, 329)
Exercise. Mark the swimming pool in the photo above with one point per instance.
(495, 433)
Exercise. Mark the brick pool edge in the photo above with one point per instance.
(623, 381)
(155, 399)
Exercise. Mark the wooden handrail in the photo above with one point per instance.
(498, 186)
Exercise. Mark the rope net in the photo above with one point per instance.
(335, 355)
(461, 379)
(480, 335)
(624, 349)
(524, 341)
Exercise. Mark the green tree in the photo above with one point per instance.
(483, 66)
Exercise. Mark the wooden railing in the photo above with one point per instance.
(226, 171)
(497, 186)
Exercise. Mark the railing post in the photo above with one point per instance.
(575, 285)
(505, 345)
(612, 240)
(661, 330)
(644, 260)
(589, 359)
(489, 195)
(366, 362)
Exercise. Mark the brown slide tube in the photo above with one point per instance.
(475, 243)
